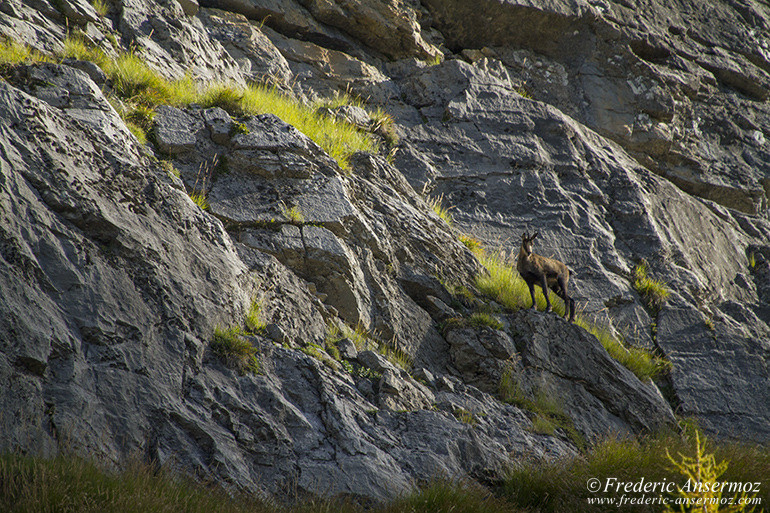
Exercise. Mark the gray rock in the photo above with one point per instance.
(401, 393)
(72, 91)
(247, 45)
(586, 364)
(347, 349)
(219, 123)
(175, 130)
(175, 43)
(190, 7)
(376, 362)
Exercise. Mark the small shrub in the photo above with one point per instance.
(703, 482)
(653, 292)
(231, 346)
(294, 214)
(752, 260)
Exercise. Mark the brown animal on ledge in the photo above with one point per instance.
(546, 272)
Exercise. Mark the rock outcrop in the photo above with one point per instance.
(623, 133)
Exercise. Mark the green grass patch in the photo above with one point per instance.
(234, 349)
(436, 204)
(135, 83)
(471, 243)
(560, 486)
(101, 7)
(294, 215)
(254, 322)
(653, 292)
(75, 47)
(642, 362)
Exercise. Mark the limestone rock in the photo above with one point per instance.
(258, 58)
(175, 131)
(174, 43)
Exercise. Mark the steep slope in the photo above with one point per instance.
(115, 285)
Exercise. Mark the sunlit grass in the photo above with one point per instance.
(230, 345)
(560, 486)
(437, 205)
(653, 292)
(101, 7)
(76, 48)
(339, 139)
(137, 84)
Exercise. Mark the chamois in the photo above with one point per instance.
(546, 272)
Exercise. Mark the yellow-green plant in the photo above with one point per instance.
(436, 204)
(703, 489)
(294, 214)
(254, 322)
(101, 7)
(75, 47)
(471, 243)
(230, 344)
(653, 292)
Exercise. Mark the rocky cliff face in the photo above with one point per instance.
(621, 132)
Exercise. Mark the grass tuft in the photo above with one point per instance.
(254, 322)
(294, 215)
(436, 204)
(653, 292)
(471, 243)
(101, 7)
(75, 47)
(224, 96)
(234, 349)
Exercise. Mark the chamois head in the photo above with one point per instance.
(527, 242)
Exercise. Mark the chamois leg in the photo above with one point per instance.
(569, 303)
(531, 285)
(544, 286)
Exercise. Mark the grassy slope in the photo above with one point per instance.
(36, 485)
